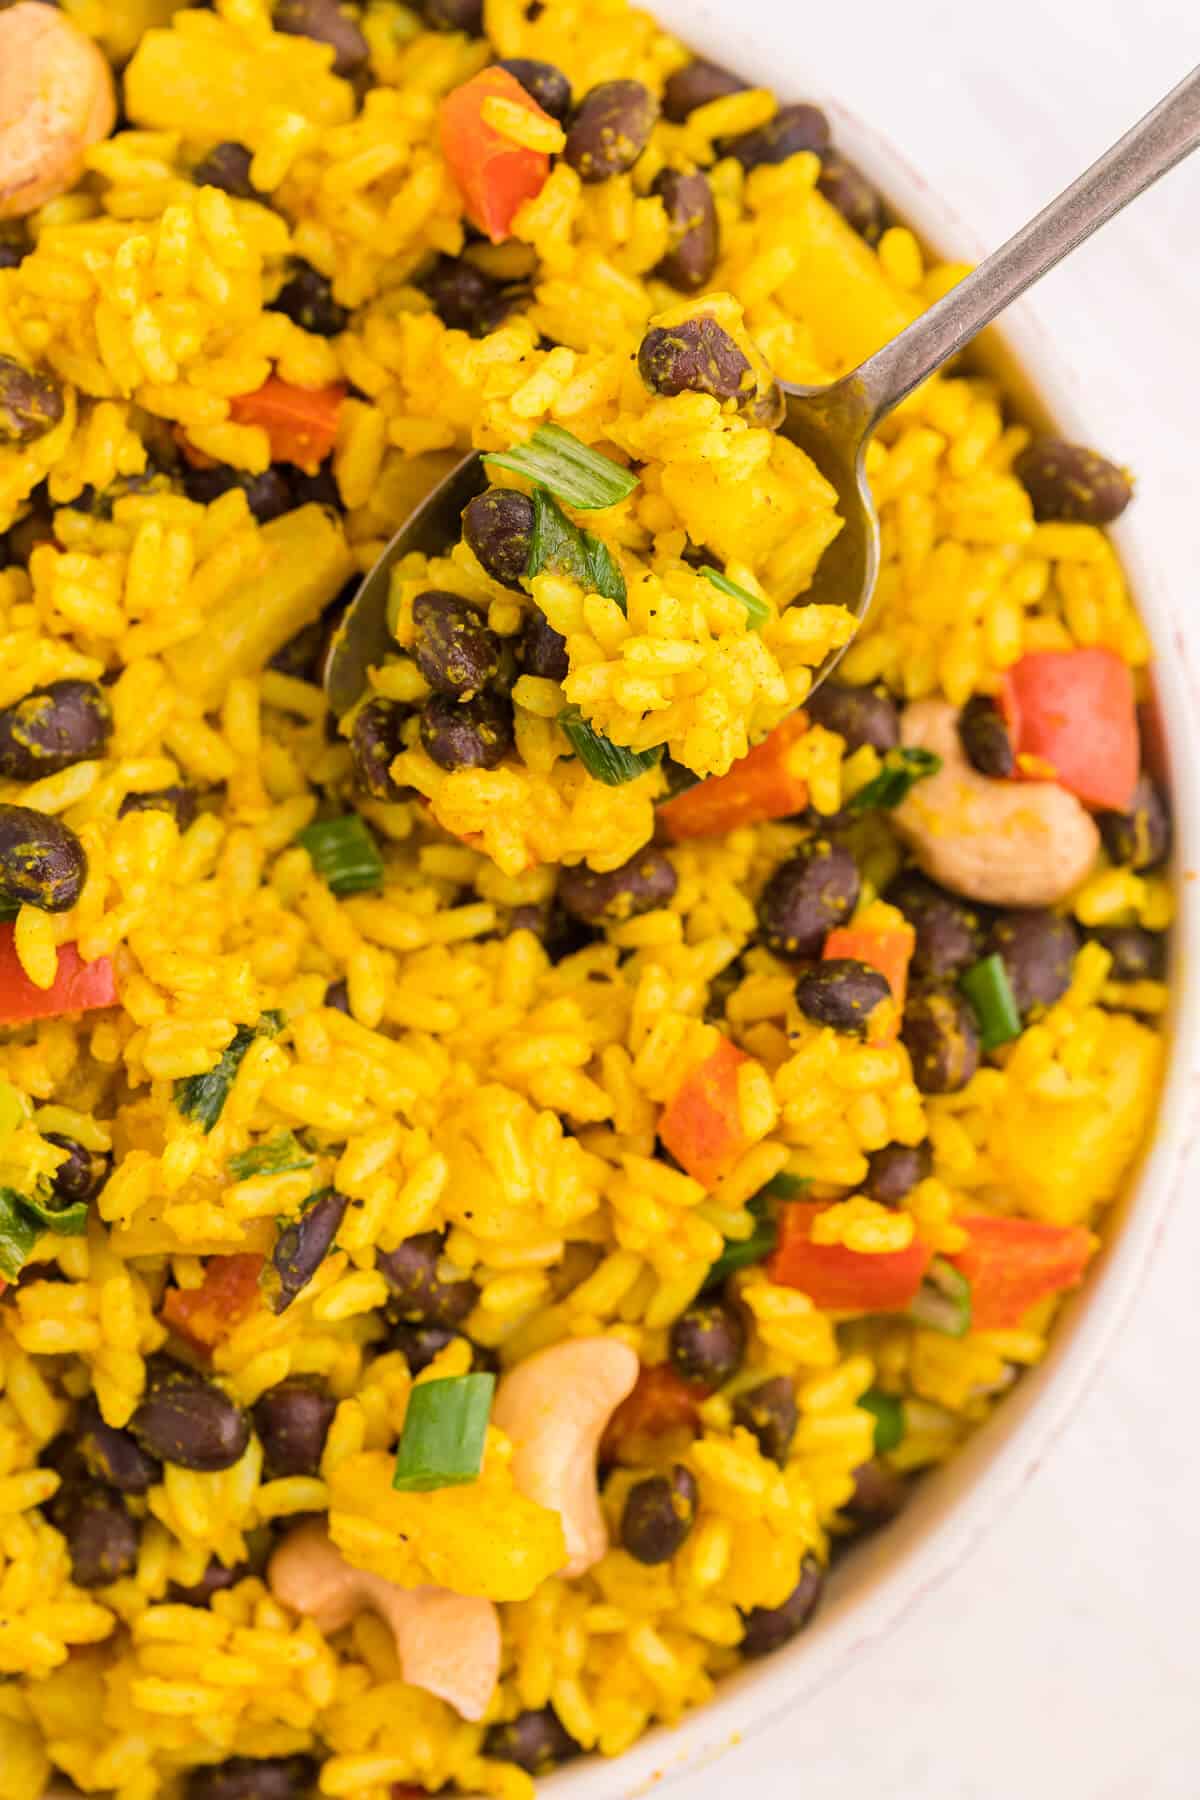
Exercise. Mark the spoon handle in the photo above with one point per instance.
(1152, 147)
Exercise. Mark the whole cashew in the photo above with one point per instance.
(1013, 843)
(56, 98)
(554, 1407)
(448, 1644)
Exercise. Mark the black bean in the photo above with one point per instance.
(42, 862)
(337, 995)
(83, 1173)
(252, 1778)
(535, 1741)
(949, 929)
(467, 734)
(181, 802)
(1072, 483)
(293, 1420)
(420, 1294)
(860, 715)
(611, 128)
(306, 298)
(14, 244)
(303, 655)
(268, 495)
(1141, 837)
(895, 1171)
(983, 734)
(542, 650)
(227, 166)
(452, 646)
(498, 527)
(186, 1420)
(376, 739)
(1037, 949)
(110, 1455)
(548, 85)
(102, 1536)
(847, 190)
(842, 993)
(215, 1580)
(879, 1494)
(794, 128)
(1137, 955)
(320, 489)
(707, 1342)
(420, 1344)
(658, 1515)
(302, 1247)
(694, 232)
(52, 728)
(806, 897)
(941, 1036)
(769, 1412)
(697, 356)
(646, 881)
(695, 85)
(770, 1627)
(464, 298)
(30, 404)
(455, 15)
(324, 21)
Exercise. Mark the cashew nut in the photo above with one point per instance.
(554, 1407)
(448, 1644)
(56, 98)
(1013, 843)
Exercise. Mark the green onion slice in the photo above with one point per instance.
(202, 1097)
(276, 1157)
(68, 1219)
(344, 853)
(757, 611)
(944, 1302)
(743, 1253)
(785, 1187)
(19, 1232)
(989, 990)
(901, 771)
(888, 1413)
(561, 546)
(571, 470)
(444, 1433)
(604, 761)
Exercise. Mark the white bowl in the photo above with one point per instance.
(952, 1508)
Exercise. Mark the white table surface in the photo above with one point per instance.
(1061, 1662)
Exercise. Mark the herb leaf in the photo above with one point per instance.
(559, 545)
(66, 1220)
(576, 473)
(202, 1097)
(344, 853)
(757, 611)
(19, 1232)
(901, 771)
(276, 1157)
(888, 1413)
(605, 761)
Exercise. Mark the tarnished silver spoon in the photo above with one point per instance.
(834, 424)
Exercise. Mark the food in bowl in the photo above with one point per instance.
(502, 1186)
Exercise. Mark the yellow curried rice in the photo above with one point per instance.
(441, 1016)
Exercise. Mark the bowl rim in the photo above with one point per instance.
(890, 1573)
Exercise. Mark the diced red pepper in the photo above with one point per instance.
(661, 1405)
(701, 1125)
(494, 175)
(887, 948)
(77, 986)
(207, 1314)
(762, 785)
(301, 423)
(842, 1280)
(1072, 712)
(1011, 1264)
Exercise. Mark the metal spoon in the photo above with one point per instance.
(834, 424)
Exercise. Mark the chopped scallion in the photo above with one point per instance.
(785, 1187)
(604, 761)
(19, 1232)
(944, 1301)
(67, 1220)
(573, 471)
(888, 1413)
(344, 853)
(743, 1253)
(444, 1433)
(561, 546)
(989, 990)
(901, 771)
(757, 611)
(201, 1097)
(276, 1157)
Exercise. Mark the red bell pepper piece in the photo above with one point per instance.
(1011, 1264)
(494, 175)
(1073, 712)
(206, 1314)
(301, 423)
(761, 785)
(701, 1125)
(842, 1280)
(77, 986)
(662, 1403)
(887, 948)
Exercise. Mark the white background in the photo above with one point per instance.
(1062, 1662)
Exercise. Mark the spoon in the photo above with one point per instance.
(834, 424)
